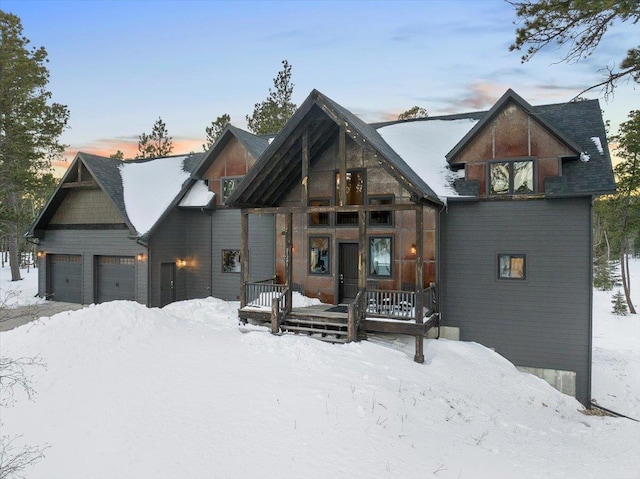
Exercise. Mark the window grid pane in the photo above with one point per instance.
(380, 257)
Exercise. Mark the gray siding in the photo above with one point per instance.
(198, 245)
(88, 244)
(226, 235)
(543, 321)
(166, 245)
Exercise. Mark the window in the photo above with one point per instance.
(319, 219)
(319, 255)
(231, 261)
(380, 257)
(511, 266)
(384, 218)
(228, 185)
(511, 177)
(355, 195)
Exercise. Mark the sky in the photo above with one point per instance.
(120, 65)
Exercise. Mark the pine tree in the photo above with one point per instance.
(272, 114)
(580, 25)
(157, 144)
(215, 130)
(619, 304)
(413, 112)
(30, 128)
(118, 155)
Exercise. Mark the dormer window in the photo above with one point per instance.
(511, 177)
(228, 185)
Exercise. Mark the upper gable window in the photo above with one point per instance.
(354, 185)
(511, 177)
(228, 185)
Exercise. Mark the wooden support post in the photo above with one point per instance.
(289, 260)
(342, 166)
(419, 306)
(275, 316)
(305, 168)
(363, 250)
(352, 323)
(244, 256)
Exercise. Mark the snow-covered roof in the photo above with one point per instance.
(149, 187)
(198, 196)
(423, 146)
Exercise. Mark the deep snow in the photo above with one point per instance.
(183, 392)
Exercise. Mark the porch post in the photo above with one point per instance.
(244, 256)
(419, 356)
(363, 252)
(342, 166)
(305, 168)
(289, 259)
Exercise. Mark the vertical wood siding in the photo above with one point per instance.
(543, 321)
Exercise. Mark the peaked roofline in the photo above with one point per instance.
(254, 144)
(508, 96)
(355, 127)
(80, 157)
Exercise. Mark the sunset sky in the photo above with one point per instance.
(119, 65)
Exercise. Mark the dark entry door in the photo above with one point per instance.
(347, 272)
(167, 283)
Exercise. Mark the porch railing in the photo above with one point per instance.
(399, 304)
(260, 294)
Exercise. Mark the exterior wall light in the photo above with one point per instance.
(181, 263)
(413, 249)
(41, 254)
(141, 257)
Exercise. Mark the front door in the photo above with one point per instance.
(167, 283)
(347, 272)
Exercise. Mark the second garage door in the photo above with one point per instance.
(115, 278)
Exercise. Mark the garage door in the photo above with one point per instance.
(65, 277)
(115, 278)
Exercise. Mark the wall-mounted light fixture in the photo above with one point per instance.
(181, 263)
(141, 256)
(413, 249)
(41, 254)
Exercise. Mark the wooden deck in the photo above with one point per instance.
(327, 316)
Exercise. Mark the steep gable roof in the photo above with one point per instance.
(508, 97)
(279, 167)
(255, 145)
(141, 210)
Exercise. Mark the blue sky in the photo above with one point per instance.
(119, 65)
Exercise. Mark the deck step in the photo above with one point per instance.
(315, 323)
(335, 332)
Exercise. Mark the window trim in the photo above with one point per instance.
(510, 162)
(336, 195)
(522, 256)
(239, 260)
(391, 213)
(235, 179)
(370, 257)
(327, 272)
(329, 215)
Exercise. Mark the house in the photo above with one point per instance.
(481, 221)
(151, 231)
(472, 226)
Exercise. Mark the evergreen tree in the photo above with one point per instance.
(619, 305)
(579, 24)
(30, 128)
(272, 114)
(413, 112)
(157, 144)
(215, 130)
(118, 155)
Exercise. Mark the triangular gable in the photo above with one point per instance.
(254, 144)
(103, 174)
(278, 170)
(510, 97)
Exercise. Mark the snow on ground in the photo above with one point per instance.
(18, 293)
(182, 392)
(615, 381)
